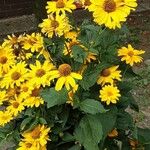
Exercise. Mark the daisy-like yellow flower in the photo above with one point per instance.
(57, 26)
(108, 12)
(109, 94)
(109, 75)
(113, 133)
(130, 55)
(38, 136)
(3, 97)
(86, 3)
(13, 41)
(7, 58)
(16, 106)
(65, 77)
(90, 56)
(33, 42)
(15, 76)
(34, 98)
(39, 73)
(71, 35)
(5, 117)
(60, 7)
(27, 146)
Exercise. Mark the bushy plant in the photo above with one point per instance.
(67, 87)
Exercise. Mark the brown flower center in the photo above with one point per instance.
(105, 73)
(36, 133)
(15, 75)
(25, 89)
(40, 73)
(131, 53)
(35, 92)
(15, 104)
(28, 145)
(54, 24)
(3, 60)
(64, 69)
(109, 6)
(87, 3)
(60, 4)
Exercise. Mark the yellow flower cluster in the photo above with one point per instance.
(22, 75)
(57, 22)
(36, 139)
(111, 13)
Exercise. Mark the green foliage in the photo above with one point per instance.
(53, 97)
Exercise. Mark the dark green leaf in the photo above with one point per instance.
(89, 132)
(53, 97)
(92, 106)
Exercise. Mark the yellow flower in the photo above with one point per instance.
(57, 26)
(15, 76)
(16, 106)
(38, 136)
(109, 94)
(113, 133)
(39, 73)
(5, 117)
(71, 35)
(90, 56)
(108, 12)
(7, 58)
(130, 55)
(65, 77)
(71, 95)
(34, 98)
(86, 3)
(109, 75)
(25, 89)
(27, 146)
(33, 42)
(129, 5)
(3, 97)
(13, 41)
(60, 6)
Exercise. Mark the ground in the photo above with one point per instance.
(139, 24)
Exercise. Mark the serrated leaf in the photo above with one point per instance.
(79, 54)
(53, 97)
(92, 106)
(89, 132)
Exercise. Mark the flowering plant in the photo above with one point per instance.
(67, 87)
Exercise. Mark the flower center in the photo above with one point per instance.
(36, 133)
(25, 89)
(105, 73)
(87, 3)
(15, 104)
(130, 53)
(60, 4)
(40, 72)
(3, 60)
(15, 75)
(109, 93)
(64, 69)
(109, 6)
(35, 92)
(54, 24)
(28, 145)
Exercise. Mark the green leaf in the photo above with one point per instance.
(89, 132)
(79, 54)
(75, 147)
(144, 135)
(53, 97)
(92, 106)
(25, 122)
(91, 75)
